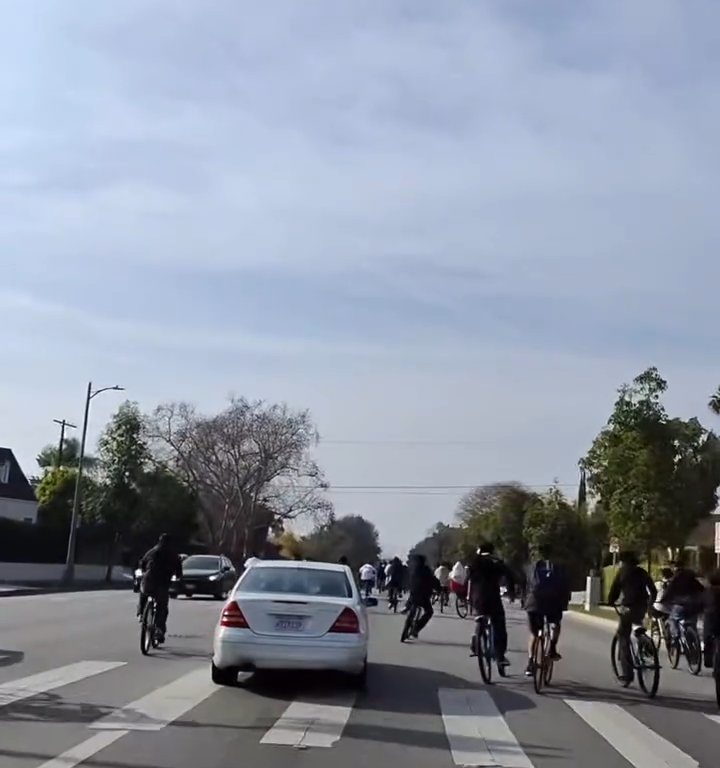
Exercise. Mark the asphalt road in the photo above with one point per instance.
(71, 663)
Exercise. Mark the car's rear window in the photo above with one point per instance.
(296, 581)
(202, 561)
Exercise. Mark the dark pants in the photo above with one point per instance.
(162, 603)
(426, 604)
(629, 616)
(496, 613)
(711, 635)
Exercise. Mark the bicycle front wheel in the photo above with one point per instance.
(484, 656)
(648, 666)
(147, 628)
(655, 632)
(538, 665)
(693, 653)
(616, 662)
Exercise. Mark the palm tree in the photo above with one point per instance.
(714, 403)
(48, 457)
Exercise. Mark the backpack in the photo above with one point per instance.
(546, 580)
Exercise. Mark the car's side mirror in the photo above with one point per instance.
(370, 602)
(225, 568)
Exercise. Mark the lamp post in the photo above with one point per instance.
(69, 572)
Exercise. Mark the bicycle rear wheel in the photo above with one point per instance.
(616, 661)
(675, 652)
(648, 666)
(484, 654)
(538, 664)
(147, 628)
(461, 607)
(693, 652)
(549, 664)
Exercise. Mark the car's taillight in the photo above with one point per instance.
(233, 617)
(347, 623)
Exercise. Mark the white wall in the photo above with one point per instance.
(16, 509)
(28, 573)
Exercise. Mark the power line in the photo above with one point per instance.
(464, 443)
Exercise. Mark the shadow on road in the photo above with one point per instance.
(8, 658)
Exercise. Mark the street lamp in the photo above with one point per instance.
(69, 572)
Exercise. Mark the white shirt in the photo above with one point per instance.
(458, 573)
(442, 575)
(367, 573)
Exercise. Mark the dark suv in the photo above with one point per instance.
(212, 575)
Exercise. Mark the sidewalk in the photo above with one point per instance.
(18, 590)
(603, 616)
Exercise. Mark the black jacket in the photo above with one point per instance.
(553, 597)
(487, 573)
(635, 585)
(422, 582)
(159, 565)
(683, 588)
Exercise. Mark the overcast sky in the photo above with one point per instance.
(450, 229)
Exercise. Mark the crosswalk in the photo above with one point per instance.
(477, 731)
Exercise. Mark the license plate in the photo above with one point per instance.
(288, 624)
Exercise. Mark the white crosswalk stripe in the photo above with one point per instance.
(50, 680)
(477, 732)
(307, 724)
(637, 743)
(84, 751)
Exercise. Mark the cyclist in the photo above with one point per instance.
(486, 574)
(159, 565)
(546, 595)
(638, 592)
(422, 585)
(367, 578)
(442, 574)
(711, 619)
(394, 579)
(684, 594)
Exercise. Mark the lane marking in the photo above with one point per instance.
(87, 749)
(307, 724)
(477, 732)
(637, 743)
(27, 687)
(714, 718)
(159, 708)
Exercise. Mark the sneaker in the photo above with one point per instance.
(530, 669)
(503, 661)
(555, 656)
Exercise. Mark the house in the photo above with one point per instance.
(17, 498)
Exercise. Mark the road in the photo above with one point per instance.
(71, 663)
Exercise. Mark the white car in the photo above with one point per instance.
(292, 615)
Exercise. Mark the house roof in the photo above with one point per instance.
(17, 486)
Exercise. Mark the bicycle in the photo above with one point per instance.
(659, 631)
(461, 606)
(687, 644)
(442, 597)
(483, 647)
(643, 658)
(411, 622)
(542, 661)
(716, 668)
(149, 633)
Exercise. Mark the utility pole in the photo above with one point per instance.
(62, 424)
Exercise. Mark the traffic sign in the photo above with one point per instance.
(615, 543)
(717, 538)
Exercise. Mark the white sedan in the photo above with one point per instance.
(292, 615)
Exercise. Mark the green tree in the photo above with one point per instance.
(656, 477)
(123, 458)
(353, 536)
(165, 505)
(443, 543)
(48, 456)
(558, 529)
(55, 493)
(714, 403)
(497, 513)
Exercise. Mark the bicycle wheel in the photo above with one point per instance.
(147, 628)
(461, 607)
(648, 666)
(548, 663)
(675, 652)
(716, 670)
(408, 626)
(484, 653)
(693, 652)
(655, 632)
(538, 664)
(616, 662)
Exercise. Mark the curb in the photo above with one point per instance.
(51, 589)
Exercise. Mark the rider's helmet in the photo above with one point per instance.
(486, 548)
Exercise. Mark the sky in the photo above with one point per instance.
(451, 230)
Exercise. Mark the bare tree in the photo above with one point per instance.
(250, 465)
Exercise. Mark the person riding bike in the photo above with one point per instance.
(394, 579)
(638, 592)
(684, 594)
(660, 609)
(546, 595)
(486, 574)
(422, 585)
(711, 618)
(442, 574)
(159, 565)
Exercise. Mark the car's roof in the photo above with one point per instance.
(302, 564)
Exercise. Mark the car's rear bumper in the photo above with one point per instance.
(246, 651)
(197, 588)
